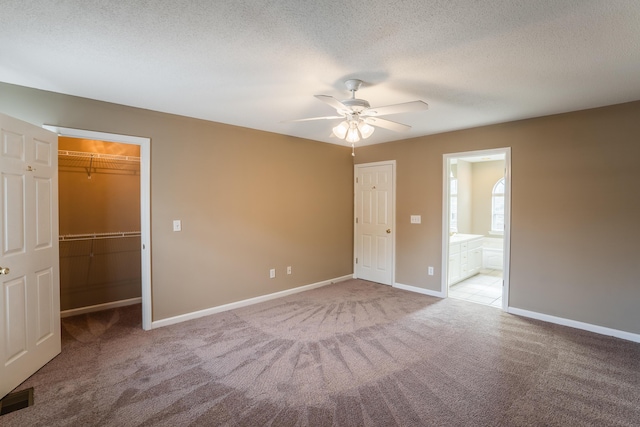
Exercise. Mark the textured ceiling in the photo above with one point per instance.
(258, 63)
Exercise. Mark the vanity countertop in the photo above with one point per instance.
(459, 237)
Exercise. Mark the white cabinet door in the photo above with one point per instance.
(30, 290)
(475, 260)
(374, 223)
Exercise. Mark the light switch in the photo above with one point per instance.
(416, 219)
(177, 225)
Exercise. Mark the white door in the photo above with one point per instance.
(30, 291)
(374, 228)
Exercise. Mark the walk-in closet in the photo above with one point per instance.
(99, 194)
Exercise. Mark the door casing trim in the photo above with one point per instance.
(145, 202)
(444, 289)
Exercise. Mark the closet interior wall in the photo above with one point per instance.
(99, 193)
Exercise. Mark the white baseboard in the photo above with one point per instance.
(419, 290)
(244, 303)
(576, 324)
(540, 316)
(100, 307)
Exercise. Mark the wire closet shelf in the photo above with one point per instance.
(98, 236)
(98, 162)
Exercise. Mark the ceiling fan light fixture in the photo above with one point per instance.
(340, 131)
(366, 130)
(353, 130)
(353, 135)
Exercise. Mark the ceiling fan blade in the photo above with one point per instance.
(397, 108)
(316, 118)
(332, 101)
(387, 124)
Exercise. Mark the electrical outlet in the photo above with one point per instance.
(289, 270)
(430, 271)
(177, 225)
(272, 273)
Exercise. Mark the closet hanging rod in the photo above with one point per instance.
(89, 155)
(98, 236)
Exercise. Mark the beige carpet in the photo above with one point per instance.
(350, 354)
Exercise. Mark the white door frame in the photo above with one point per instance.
(391, 163)
(446, 158)
(145, 203)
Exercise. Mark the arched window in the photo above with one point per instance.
(497, 207)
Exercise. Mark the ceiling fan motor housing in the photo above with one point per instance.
(356, 105)
(353, 84)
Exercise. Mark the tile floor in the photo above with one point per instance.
(483, 288)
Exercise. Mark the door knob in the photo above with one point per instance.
(4, 270)
(388, 230)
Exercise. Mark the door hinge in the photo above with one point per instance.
(356, 180)
(356, 260)
(356, 220)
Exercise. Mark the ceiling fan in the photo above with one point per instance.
(359, 118)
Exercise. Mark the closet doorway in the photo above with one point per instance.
(104, 221)
(476, 224)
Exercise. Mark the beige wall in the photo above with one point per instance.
(485, 175)
(249, 201)
(575, 205)
(104, 199)
(252, 200)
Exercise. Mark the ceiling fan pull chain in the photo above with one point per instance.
(353, 149)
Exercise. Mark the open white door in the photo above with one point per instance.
(375, 224)
(29, 280)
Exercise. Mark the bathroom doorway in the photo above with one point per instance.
(476, 217)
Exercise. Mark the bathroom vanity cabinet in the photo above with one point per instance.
(465, 256)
